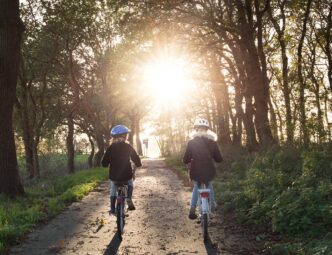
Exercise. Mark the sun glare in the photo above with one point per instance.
(169, 79)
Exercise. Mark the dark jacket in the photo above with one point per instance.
(201, 152)
(117, 157)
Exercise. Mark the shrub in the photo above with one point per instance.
(287, 190)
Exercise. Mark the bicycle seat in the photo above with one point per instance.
(121, 183)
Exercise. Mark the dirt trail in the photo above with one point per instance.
(159, 225)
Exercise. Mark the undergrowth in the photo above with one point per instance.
(43, 201)
(286, 191)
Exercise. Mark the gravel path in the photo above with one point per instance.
(159, 225)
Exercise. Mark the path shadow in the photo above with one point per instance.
(113, 246)
(211, 249)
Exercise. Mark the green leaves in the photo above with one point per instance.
(287, 191)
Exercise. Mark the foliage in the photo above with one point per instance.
(52, 165)
(42, 201)
(285, 190)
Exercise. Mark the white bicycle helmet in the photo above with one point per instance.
(201, 123)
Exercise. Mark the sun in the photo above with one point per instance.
(169, 79)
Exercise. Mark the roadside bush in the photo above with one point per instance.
(287, 190)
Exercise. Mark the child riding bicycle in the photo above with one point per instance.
(200, 156)
(118, 157)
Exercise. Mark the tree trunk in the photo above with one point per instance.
(36, 156)
(284, 58)
(101, 148)
(251, 143)
(27, 133)
(219, 89)
(255, 67)
(242, 90)
(138, 139)
(237, 138)
(132, 131)
(11, 29)
(316, 90)
(303, 119)
(70, 145)
(274, 125)
(92, 152)
(328, 45)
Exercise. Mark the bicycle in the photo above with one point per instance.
(122, 189)
(204, 208)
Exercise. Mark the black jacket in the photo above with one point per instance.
(117, 157)
(201, 152)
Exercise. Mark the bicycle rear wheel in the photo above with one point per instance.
(205, 227)
(120, 220)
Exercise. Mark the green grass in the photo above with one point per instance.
(54, 164)
(43, 201)
(176, 163)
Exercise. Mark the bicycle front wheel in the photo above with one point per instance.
(120, 220)
(205, 227)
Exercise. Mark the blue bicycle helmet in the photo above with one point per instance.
(119, 130)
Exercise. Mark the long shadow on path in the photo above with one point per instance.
(211, 249)
(113, 246)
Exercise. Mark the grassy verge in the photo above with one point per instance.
(43, 201)
(176, 164)
(282, 191)
(52, 165)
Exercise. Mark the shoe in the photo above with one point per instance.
(111, 212)
(192, 213)
(131, 205)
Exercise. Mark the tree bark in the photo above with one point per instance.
(274, 125)
(27, 132)
(92, 152)
(101, 148)
(36, 156)
(242, 90)
(316, 90)
(70, 145)
(284, 58)
(11, 29)
(138, 139)
(220, 91)
(328, 45)
(254, 60)
(303, 119)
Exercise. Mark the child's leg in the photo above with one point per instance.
(194, 196)
(130, 203)
(194, 199)
(130, 188)
(113, 196)
(112, 189)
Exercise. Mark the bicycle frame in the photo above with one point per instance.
(205, 208)
(204, 195)
(121, 194)
(120, 208)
